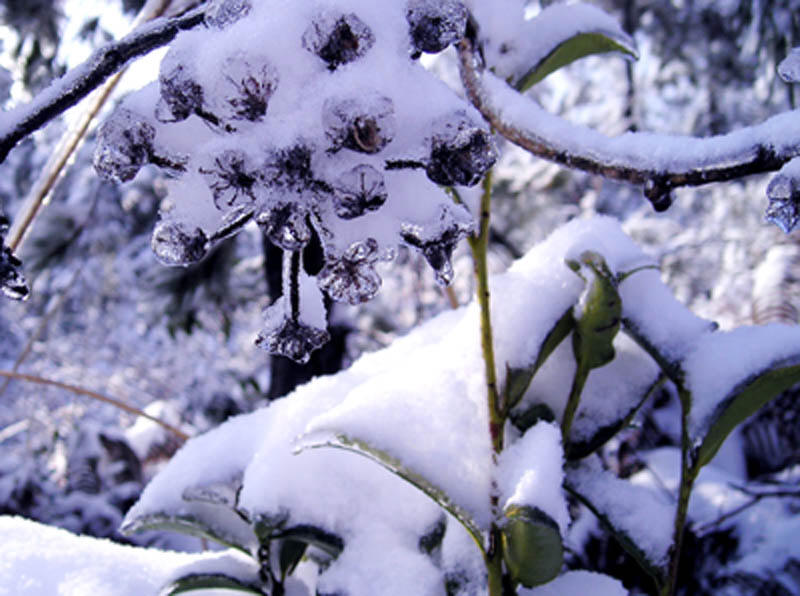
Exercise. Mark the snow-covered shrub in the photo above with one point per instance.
(315, 119)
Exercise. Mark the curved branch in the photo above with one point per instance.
(67, 91)
(659, 162)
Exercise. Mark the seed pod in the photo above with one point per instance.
(357, 191)
(461, 151)
(174, 244)
(784, 202)
(435, 24)
(352, 278)
(124, 145)
(338, 39)
(222, 13)
(285, 336)
(181, 94)
(365, 125)
(249, 83)
(437, 245)
(232, 179)
(285, 224)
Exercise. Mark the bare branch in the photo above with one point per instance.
(94, 395)
(659, 162)
(67, 91)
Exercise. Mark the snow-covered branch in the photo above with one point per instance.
(67, 91)
(657, 161)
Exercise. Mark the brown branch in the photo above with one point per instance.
(659, 162)
(94, 395)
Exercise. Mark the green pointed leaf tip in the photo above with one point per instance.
(598, 314)
(532, 547)
(187, 524)
(743, 402)
(574, 48)
(209, 581)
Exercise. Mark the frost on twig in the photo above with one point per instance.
(67, 91)
(658, 162)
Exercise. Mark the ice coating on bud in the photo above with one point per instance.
(124, 145)
(352, 278)
(288, 170)
(231, 178)
(175, 244)
(461, 151)
(338, 38)
(283, 335)
(365, 124)
(357, 191)
(784, 202)
(249, 83)
(789, 67)
(181, 93)
(437, 242)
(221, 13)
(285, 224)
(12, 282)
(435, 24)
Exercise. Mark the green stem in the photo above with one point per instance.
(493, 559)
(479, 245)
(578, 382)
(688, 476)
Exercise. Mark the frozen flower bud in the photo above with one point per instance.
(789, 68)
(124, 145)
(232, 179)
(181, 94)
(338, 38)
(175, 244)
(437, 242)
(285, 336)
(784, 202)
(365, 124)
(461, 151)
(435, 24)
(285, 224)
(352, 278)
(357, 191)
(222, 13)
(248, 85)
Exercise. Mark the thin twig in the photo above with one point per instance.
(681, 161)
(95, 395)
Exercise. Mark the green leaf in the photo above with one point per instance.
(396, 467)
(519, 379)
(289, 555)
(600, 313)
(626, 542)
(184, 524)
(209, 581)
(578, 450)
(745, 400)
(532, 546)
(574, 48)
(308, 534)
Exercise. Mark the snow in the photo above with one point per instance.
(578, 583)
(37, 559)
(722, 361)
(641, 513)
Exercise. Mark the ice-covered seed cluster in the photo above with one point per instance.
(783, 210)
(309, 117)
(12, 282)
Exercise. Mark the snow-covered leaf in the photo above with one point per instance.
(519, 379)
(564, 34)
(579, 583)
(209, 581)
(396, 467)
(532, 546)
(744, 401)
(789, 67)
(636, 516)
